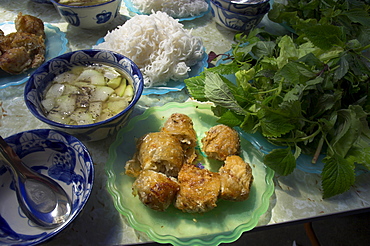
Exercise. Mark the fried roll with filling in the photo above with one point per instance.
(158, 151)
(236, 179)
(221, 141)
(199, 189)
(156, 190)
(181, 126)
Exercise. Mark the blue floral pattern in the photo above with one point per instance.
(57, 155)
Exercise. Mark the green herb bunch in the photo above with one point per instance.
(308, 91)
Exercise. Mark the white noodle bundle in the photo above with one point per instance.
(158, 45)
(174, 8)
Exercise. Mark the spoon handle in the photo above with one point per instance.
(12, 159)
(41, 198)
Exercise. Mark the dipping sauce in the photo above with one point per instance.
(87, 95)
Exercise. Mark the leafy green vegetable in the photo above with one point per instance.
(308, 91)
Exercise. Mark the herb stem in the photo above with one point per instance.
(293, 140)
(318, 150)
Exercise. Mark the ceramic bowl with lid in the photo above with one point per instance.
(236, 21)
(247, 7)
(89, 16)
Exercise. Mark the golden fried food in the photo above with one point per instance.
(181, 126)
(165, 173)
(15, 60)
(199, 189)
(158, 151)
(133, 167)
(24, 49)
(155, 190)
(29, 24)
(221, 141)
(236, 179)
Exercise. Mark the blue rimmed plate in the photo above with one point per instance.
(56, 44)
(223, 224)
(133, 9)
(172, 86)
(57, 155)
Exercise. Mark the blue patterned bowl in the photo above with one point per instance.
(41, 78)
(89, 17)
(247, 7)
(57, 155)
(235, 21)
(42, 1)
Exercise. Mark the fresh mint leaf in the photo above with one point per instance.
(343, 68)
(229, 68)
(360, 156)
(349, 129)
(262, 49)
(337, 176)
(282, 161)
(273, 123)
(195, 86)
(231, 119)
(325, 36)
(295, 73)
(359, 16)
(218, 92)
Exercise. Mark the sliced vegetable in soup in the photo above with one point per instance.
(87, 95)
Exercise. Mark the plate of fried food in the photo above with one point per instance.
(24, 45)
(183, 178)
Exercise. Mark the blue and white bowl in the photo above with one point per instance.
(246, 7)
(57, 155)
(89, 17)
(42, 1)
(235, 21)
(44, 75)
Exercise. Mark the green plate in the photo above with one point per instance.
(223, 224)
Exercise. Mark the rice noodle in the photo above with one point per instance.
(174, 8)
(158, 45)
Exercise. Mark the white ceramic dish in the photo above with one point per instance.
(56, 44)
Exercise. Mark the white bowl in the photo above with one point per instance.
(57, 155)
(89, 17)
(44, 75)
(247, 7)
(235, 21)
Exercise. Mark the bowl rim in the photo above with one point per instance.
(212, 2)
(244, 3)
(30, 85)
(56, 3)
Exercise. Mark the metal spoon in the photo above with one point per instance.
(42, 199)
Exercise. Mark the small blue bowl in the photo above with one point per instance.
(57, 155)
(91, 16)
(44, 75)
(42, 1)
(236, 21)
